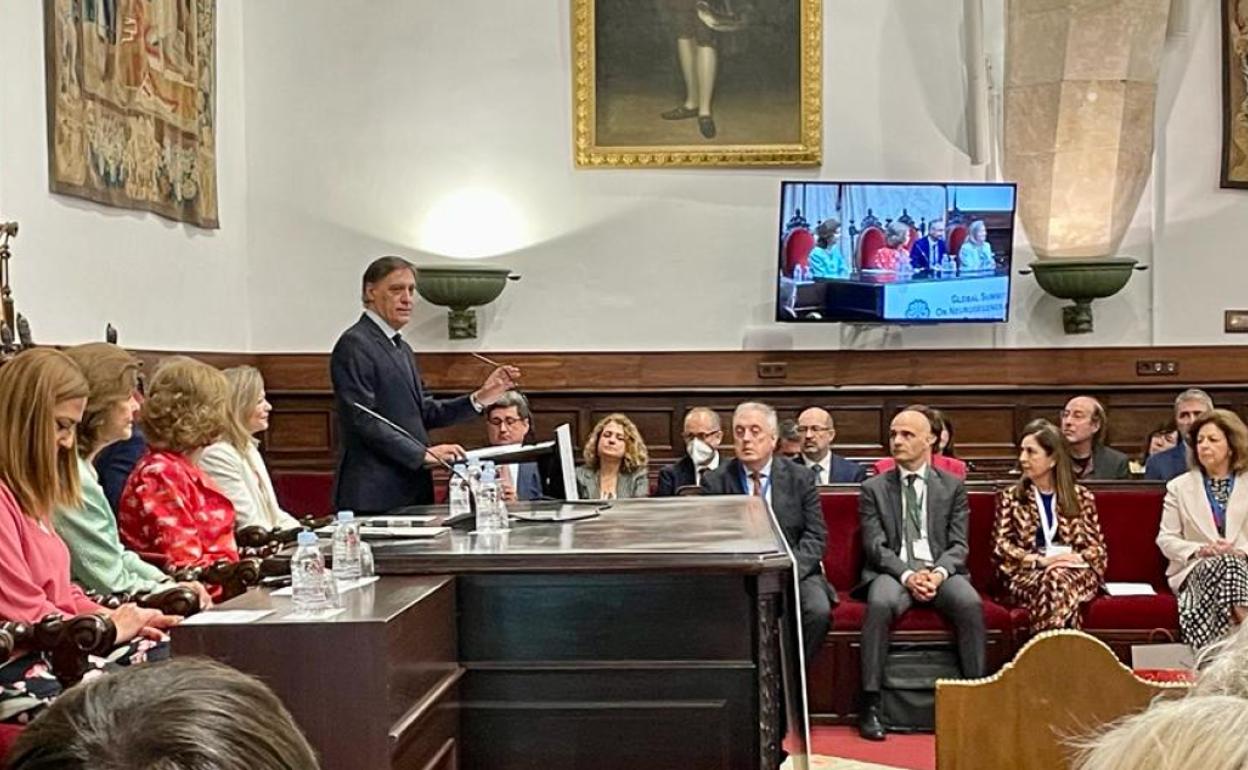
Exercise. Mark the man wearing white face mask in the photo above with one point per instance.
(702, 435)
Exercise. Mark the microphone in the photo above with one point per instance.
(472, 497)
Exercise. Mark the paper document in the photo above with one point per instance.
(1129, 589)
(506, 450)
(343, 586)
(370, 532)
(225, 617)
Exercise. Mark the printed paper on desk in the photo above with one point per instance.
(343, 586)
(224, 617)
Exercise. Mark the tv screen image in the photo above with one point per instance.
(890, 252)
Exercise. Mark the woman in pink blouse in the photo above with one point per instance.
(42, 397)
(170, 512)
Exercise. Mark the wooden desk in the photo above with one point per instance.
(648, 637)
(373, 687)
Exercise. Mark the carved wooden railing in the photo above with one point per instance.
(67, 642)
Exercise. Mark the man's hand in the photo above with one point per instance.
(499, 382)
(447, 453)
(508, 491)
(921, 586)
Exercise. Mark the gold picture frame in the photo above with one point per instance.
(628, 113)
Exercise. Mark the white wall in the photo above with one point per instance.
(78, 265)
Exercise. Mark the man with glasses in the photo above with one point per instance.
(507, 421)
(702, 434)
(817, 430)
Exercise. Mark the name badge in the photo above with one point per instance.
(921, 550)
(1057, 550)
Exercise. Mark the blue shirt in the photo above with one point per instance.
(1167, 465)
(829, 262)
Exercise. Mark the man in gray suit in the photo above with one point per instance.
(1084, 425)
(914, 529)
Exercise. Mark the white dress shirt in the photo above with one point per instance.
(386, 328)
(920, 488)
(764, 481)
(701, 470)
(825, 468)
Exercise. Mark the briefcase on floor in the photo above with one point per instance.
(908, 687)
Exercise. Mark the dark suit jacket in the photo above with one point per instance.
(678, 474)
(880, 511)
(1167, 465)
(379, 468)
(1108, 463)
(921, 256)
(528, 482)
(795, 503)
(114, 463)
(843, 471)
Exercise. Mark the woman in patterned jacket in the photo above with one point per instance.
(1047, 540)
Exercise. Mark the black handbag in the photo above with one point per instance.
(908, 686)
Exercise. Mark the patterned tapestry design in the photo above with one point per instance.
(1235, 93)
(131, 92)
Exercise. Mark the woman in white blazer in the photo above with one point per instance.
(234, 462)
(1203, 531)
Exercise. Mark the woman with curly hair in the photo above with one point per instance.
(615, 461)
(170, 511)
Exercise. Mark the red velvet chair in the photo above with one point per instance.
(957, 234)
(870, 241)
(797, 247)
(305, 492)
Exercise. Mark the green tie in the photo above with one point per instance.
(914, 510)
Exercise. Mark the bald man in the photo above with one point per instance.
(1084, 426)
(914, 536)
(817, 430)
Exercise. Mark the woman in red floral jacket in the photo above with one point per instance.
(170, 512)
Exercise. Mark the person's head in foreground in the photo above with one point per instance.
(184, 714)
(1207, 732)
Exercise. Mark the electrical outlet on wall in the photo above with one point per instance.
(1157, 368)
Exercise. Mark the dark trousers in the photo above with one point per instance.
(888, 599)
(816, 613)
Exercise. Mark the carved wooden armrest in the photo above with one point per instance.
(174, 600)
(256, 536)
(67, 642)
(233, 577)
(274, 567)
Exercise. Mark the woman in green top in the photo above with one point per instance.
(98, 562)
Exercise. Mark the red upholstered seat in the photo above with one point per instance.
(870, 241)
(957, 234)
(1129, 520)
(850, 613)
(797, 247)
(1132, 612)
(8, 736)
(303, 492)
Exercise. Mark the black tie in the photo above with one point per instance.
(818, 469)
(397, 339)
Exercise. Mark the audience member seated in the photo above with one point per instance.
(98, 562)
(1084, 424)
(1192, 733)
(702, 434)
(976, 253)
(170, 511)
(115, 461)
(183, 714)
(944, 462)
(1046, 538)
(1202, 530)
(615, 462)
(891, 257)
(233, 461)
(790, 492)
(42, 398)
(508, 421)
(931, 252)
(826, 259)
(818, 431)
(1164, 436)
(790, 444)
(1172, 463)
(914, 538)
(944, 445)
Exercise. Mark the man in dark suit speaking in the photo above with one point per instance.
(789, 490)
(379, 468)
(914, 528)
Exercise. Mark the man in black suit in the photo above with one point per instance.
(508, 421)
(702, 434)
(789, 490)
(818, 431)
(914, 536)
(380, 468)
(1084, 425)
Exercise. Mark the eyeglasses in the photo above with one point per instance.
(812, 429)
(510, 422)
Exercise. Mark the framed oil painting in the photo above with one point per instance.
(131, 92)
(697, 83)
(1235, 93)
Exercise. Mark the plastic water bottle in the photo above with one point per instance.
(346, 547)
(458, 497)
(308, 577)
(487, 502)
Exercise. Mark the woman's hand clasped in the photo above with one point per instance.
(132, 621)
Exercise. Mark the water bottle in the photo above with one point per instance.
(458, 497)
(347, 547)
(487, 502)
(308, 577)
(499, 520)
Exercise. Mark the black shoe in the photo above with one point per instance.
(679, 113)
(706, 124)
(870, 726)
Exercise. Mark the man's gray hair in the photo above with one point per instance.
(509, 399)
(773, 422)
(788, 431)
(1193, 394)
(709, 412)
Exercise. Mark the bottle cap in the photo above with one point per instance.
(307, 537)
(346, 515)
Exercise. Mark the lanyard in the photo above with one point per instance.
(1048, 516)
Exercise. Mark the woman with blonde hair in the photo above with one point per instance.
(98, 561)
(234, 460)
(1209, 732)
(1047, 539)
(170, 511)
(615, 461)
(42, 398)
(1203, 531)
(891, 257)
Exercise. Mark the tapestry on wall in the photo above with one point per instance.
(1235, 93)
(131, 93)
